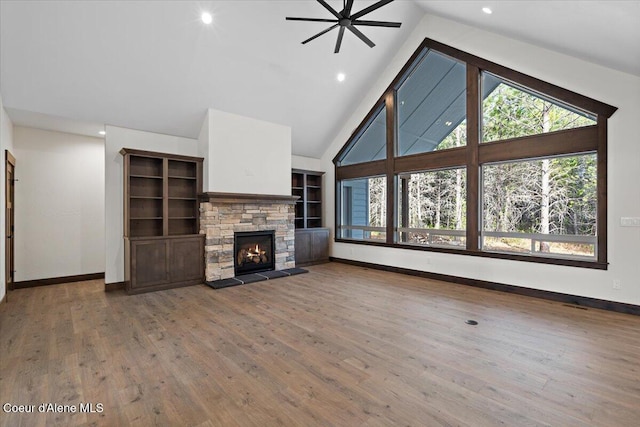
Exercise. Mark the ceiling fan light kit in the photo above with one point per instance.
(345, 20)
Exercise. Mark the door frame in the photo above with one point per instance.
(9, 225)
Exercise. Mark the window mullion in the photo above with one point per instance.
(473, 166)
(601, 216)
(390, 165)
(404, 188)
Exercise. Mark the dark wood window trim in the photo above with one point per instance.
(602, 188)
(376, 168)
(392, 195)
(475, 154)
(570, 141)
(453, 157)
(473, 165)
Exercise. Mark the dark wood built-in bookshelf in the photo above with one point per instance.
(308, 186)
(312, 241)
(161, 212)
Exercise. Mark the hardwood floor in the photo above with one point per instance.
(342, 345)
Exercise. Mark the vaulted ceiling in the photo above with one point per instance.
(155, 66)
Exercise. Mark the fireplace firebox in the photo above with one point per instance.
(254, 251)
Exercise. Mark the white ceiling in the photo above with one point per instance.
(155, 66)
(603, 32)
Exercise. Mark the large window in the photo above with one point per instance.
(363, 212)
(545, 207)
(511, 111)
(432, 208)
(370, 142)
(464, 155)
(432, 106)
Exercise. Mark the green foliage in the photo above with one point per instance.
(457, 138)
(514, 192)
(437, 199)
(378, 201)
(509, 112)
(512, 196)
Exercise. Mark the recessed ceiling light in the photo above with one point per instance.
(341, 77)
(103, 133)
(206, 17)
(487, 10)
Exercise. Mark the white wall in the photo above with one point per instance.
(203, 150)
(306, 163)
(59, 204)
(606, 85)
(246, 155)
(6, 143)
(116, 139)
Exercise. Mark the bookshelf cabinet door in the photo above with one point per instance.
(312, 246)
(149, 263)
(187, 259)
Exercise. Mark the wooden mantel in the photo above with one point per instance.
(247, 198)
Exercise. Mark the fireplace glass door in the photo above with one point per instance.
(254, 252)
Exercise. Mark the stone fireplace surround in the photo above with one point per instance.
(223, 214)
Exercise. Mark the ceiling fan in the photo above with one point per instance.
(344, 19)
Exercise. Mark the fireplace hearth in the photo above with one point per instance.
(254, 251)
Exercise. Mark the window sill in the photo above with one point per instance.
(495, 255)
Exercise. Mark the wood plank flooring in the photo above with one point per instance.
(342, 346)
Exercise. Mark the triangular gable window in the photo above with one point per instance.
(370, 142)
(510, 111)
(431, 104)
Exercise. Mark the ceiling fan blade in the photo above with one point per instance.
(320, 33)
(330, 9)
(347, 8)
(362, 37)
(369, 9)
(339, 41)
(288, 18)
(377, 23)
